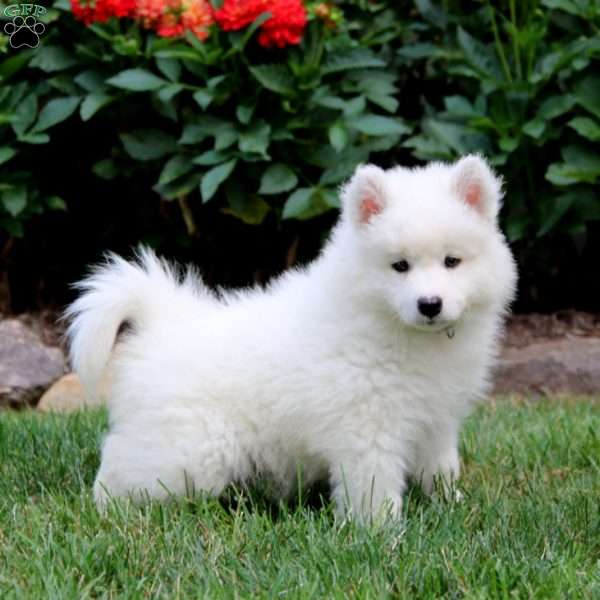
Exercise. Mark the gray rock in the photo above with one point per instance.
(570, 365)
(27, 366)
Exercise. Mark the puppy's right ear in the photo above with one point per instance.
(363, 196)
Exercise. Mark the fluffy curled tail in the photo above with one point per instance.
(118, 291)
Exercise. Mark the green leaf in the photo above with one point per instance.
(306, 203)
(376, 125)
(106, 169)
(333, 102)
(434, 14)
(555, 106)
(210, 158)
(25, 114)
(573, 7)
(203, 98)
(586, 127)
(244, 113)
(34, 138)
(275, 78)
(165, 109)
(15, 63)
(353, 58)
(482, 58)
(298, 204)
(137, 80)
(207, 126)
(90, 81)
(341, 171)
(459, 106)
(419, 50)
(338, 136)
(167, 93)
(181, 186)
(508, 144)
(255, 139)
(457, 137)
(214, 82)
(326, 157)
(556, 212)
(180, 52)
(534, 128)
(53, 58)
(56, 203)
(193, 134)
(55, 112)
(587, 94)
(148, 144)
(579, 166)
(225, 138)
(355, 106)
(561, 174)
(582, 159)
(276, 179)
(6, 153)
(388, 103)
(213, 178)
(250, 208)
(175, 167)
(14, 200)
(170, 68)
(92, 103)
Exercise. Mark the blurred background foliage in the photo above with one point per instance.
(230, 154)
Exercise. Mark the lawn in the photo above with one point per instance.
(528, 527)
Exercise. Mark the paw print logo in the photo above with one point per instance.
(24, 31)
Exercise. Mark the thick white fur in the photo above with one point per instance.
(331, 369)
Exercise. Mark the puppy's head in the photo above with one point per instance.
(427, 242)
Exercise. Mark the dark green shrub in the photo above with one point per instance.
(525, 92)
(221, 120)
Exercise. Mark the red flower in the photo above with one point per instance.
(285, 25)
(91, 11)
(172, 18)
(236, 14)
(167, 17)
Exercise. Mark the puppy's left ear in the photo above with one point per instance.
(476, 185)
(363, 197)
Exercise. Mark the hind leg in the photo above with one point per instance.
(161, 459)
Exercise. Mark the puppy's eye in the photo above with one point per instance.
(451, 261)
(401, 266)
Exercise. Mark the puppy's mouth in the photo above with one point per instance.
(435, 325)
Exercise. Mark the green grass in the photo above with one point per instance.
(528, 527)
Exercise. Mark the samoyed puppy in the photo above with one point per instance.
(357, 369)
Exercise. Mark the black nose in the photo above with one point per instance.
(430, 307)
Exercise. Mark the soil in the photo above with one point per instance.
(523, 330)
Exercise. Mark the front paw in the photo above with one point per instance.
(369, 513)
(442, 486)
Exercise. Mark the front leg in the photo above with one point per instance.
(368, 486)
(437, 458)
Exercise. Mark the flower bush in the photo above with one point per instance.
(283, 24)
(263, 107)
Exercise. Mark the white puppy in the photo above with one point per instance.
(358, 368)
